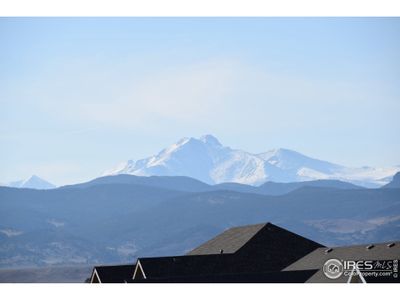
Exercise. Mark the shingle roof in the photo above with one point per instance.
(255, 253)
(264, 234)
(251, 249)
(270, 277)
(213, 268)
(275, 243)
(229, 241)
(114, 274)
(317, 258)
(176, 266)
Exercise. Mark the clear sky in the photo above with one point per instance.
(78, 96)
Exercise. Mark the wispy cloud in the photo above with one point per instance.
(189, 94)
(182, 94)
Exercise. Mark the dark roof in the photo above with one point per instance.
(383, 279)
(270, 277)
(250, 249)
(229, 241)
(114, 274)
(265, 235)
(275, 243)
(193, 265)
(317, 258)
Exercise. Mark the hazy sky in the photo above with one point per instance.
(78, 96)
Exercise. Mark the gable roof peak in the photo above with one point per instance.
(230, 240)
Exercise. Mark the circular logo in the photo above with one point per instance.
(333, 268)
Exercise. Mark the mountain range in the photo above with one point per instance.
(207, 160)
(188, 184)
(115, 219)
(186, 194)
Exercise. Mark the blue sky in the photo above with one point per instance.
(77, 96)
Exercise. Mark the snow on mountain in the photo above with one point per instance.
(33, 182)
(206, 159)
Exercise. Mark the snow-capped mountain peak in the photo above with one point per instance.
(206, 159)
(33, 182)
(210, 140)
(288, 159)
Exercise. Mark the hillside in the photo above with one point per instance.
(114, 222)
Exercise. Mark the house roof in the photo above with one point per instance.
(114, 274)
(255, 253)
(317, 258)
(229, 241)
(251, 249)
(264, 235)
(269, 277)
(277, 244)
(193, 265)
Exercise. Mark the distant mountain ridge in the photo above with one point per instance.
(33, 182)
(207, 160)
(178, 183)
(117, 218)
(187, 184)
